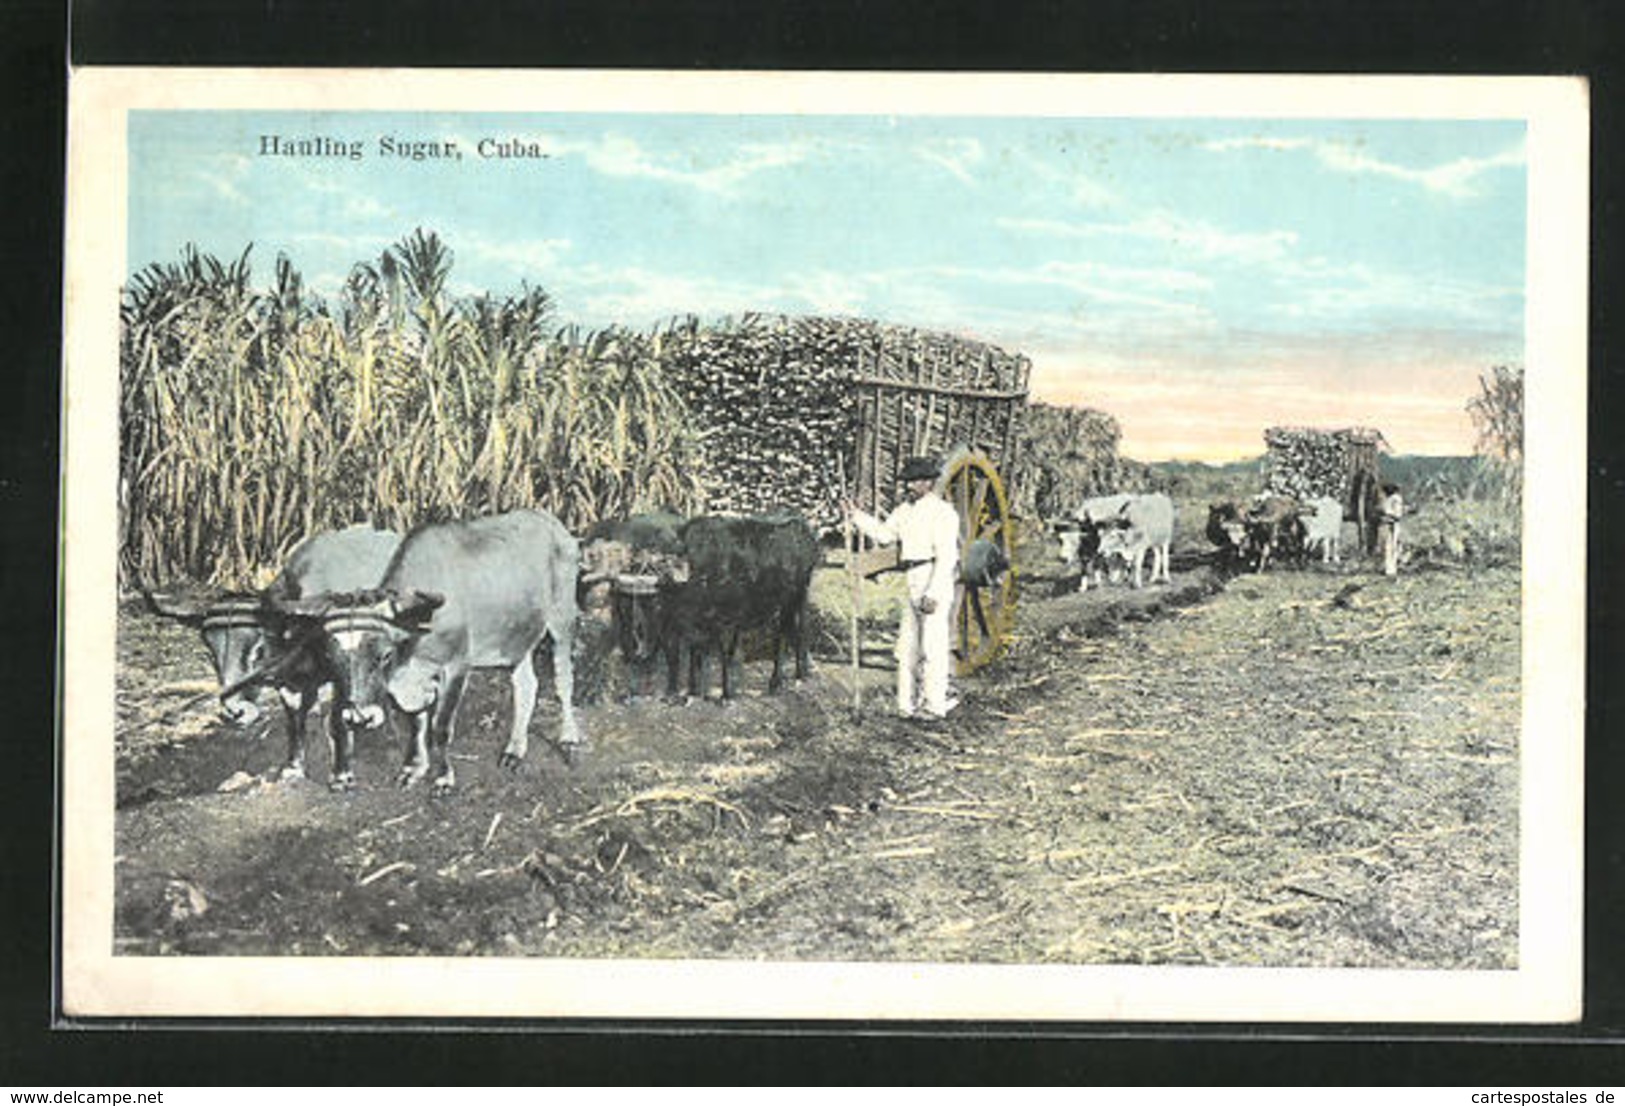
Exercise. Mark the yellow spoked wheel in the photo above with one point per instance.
(985, 600)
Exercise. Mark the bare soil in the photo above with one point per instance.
(1306, 768)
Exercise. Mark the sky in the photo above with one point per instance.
(1199, 279)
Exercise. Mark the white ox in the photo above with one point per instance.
(1145, 522)
(1323, 526)
(1080, 536)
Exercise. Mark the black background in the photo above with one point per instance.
(37, 41)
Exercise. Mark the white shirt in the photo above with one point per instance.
(928, 529)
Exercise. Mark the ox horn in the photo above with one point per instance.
(189, 611)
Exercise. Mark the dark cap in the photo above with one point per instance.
(920, 468)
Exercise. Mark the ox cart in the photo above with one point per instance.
(804, 412)
(1305, 463)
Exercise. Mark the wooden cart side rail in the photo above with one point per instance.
(937, 389)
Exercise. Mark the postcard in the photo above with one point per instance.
(823, 547)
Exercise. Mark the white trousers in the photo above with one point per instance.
(1388, 542)
(922, 660)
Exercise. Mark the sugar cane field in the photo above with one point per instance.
(1313, 766)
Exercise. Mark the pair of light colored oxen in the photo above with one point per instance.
(404, 622)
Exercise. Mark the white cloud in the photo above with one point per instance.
(1102, 299)
(635, 296)
(223, 187)
(832, 293)
(1203, 240)
(1452, 178)
(1089, 193)
(618, 156)
(1225, 145)
(957, 155)
(530, 258)
(223, 174)
(359, 245)
(1455, 178)
(1326, 290)
(1161, 279)
(1082, 190)
(349, 202)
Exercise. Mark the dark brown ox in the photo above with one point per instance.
(251, 643)
(1227, 530)
(735, 576)
(1274, 529)
(628, 570)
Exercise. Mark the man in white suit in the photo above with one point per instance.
(927, 528)
(1390, 509)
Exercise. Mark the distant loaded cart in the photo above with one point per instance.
(798, 412)
(1306, 463)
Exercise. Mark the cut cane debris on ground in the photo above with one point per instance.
(1189, 774)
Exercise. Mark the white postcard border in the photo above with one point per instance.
(1544, 988)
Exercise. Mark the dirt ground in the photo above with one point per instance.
(1305, 768)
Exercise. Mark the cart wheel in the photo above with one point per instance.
(984, 612)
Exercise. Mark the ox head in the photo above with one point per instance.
(367, 642)
(1227, 528)
(241, 636)
(1080, 540)
(627, 585)
(638, 608)
(1114, 542)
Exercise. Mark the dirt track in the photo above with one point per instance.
(1284, 772)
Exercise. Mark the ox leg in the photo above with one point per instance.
(341, 740)
(441, 730)
(730, 643)
(776, 680)
(696, 669)
(523, 679)
(674, 659)
(799, 638)
(564, 686)
(787, 633)
(417, 750)
(297, 704)
(571, 741)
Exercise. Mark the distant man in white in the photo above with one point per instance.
(928, 529)
(1390, 509)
